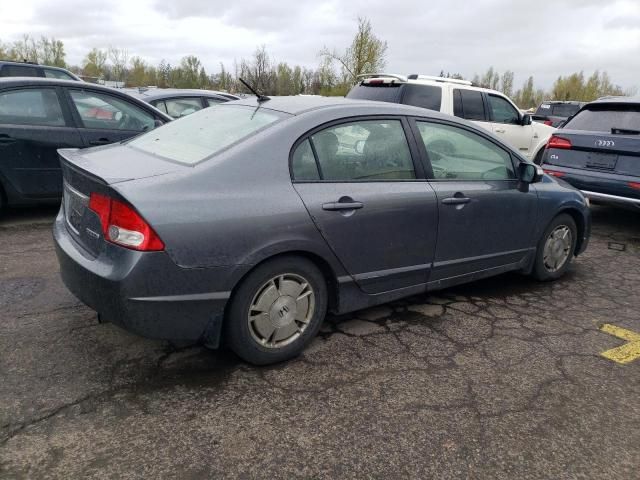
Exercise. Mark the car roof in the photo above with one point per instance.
(299, 104)
(38, 65)
(616, 100)
(159, 93)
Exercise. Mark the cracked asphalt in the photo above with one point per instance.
(501, 378)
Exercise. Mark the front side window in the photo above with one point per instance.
(201, 135)
(468, 104)
(458, 154)
(59, 74)
(368, 150)
(503, 111)
(181, 107)
(103, 111)
(33, 106)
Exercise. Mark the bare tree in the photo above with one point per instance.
(119, 60)
(365, 55)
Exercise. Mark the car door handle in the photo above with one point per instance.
(500, 130)
(456, 200)
(6, 139)
(335, 206)
(100, 141)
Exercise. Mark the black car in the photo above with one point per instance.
(598, 151)
(177, 102)
(10, 68)
(555, 113)
(39, 115)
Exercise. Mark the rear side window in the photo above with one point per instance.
(425, 96)
(18, 71)
(383, 92)
(468, 104)
(606, 118)
(103, 111)
(213, 101)
(199, 136)
(32, 106)
(368, 150)
(59, 74)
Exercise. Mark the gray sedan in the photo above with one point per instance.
(248, 221)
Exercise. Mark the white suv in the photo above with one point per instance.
(487, 108)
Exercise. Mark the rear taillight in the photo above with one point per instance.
(559, 142)
(634, 185)
(548, 122)
(123, 226)
(554, 173)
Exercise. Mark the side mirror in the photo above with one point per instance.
(359, 147)
(530, 173)
(525, 120)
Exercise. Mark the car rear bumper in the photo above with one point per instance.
(144, 292)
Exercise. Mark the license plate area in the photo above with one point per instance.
(601, 161)
(75, 205)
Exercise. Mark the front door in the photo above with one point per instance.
(507, 125)
(485, 221)
(32, 128)
(360, 186)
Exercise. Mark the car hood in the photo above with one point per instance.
(119, 163)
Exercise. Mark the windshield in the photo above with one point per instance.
(199, 136)
(386, 92)
(607, 118)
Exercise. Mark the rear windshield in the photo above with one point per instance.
(605, 118)
(565, 110)
(202, 134)
(384, 92)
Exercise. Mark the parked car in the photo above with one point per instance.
(177, 102)
(555, 113)
(250, 219)
(486, 108)
(39, 115)
(598, 151)
(9, 68)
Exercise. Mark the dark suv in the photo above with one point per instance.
(29, 69)
(598, 151)
(555, 113)
(40, 115)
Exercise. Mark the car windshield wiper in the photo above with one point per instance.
(624, 131)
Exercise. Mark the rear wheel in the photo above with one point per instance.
(556, 248)
(276, 310)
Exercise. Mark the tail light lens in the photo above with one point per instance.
(635, 185)
(548, 122)
(122, 225)
(559, 142)
(554, 173)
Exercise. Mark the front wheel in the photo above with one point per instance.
(276, 311)
(556, 248)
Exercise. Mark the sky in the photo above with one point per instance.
(543, 38)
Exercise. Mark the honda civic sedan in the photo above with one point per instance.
(248, 221)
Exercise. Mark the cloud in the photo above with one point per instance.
(545, 39)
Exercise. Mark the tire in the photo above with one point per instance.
(538, 158)
(265, 323)
(554, 256)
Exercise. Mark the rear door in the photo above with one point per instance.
(485, 221)
(369, 200)
(104, 118)
(470, 105)
(33, 125)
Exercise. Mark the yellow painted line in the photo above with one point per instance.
(628, 352)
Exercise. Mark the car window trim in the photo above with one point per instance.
(413, 120)
(68, 120)
(409, 136)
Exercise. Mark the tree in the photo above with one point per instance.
(506, 83)
(138, 73)
(119, 61)
(258, 72)
(365, 55)
(94, 63)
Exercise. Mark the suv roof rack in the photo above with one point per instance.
(18, 61)
(415, 76)
(393, 76)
